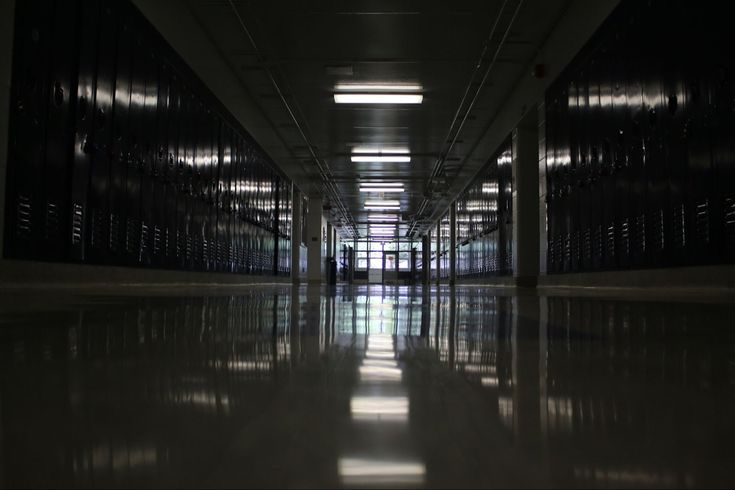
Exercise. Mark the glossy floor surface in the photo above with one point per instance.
(365, 387)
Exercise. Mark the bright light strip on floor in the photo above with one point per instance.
(380, 159)
(379, 151)
(369, 472)
(393, 408)
(378, 98)
(376, 87)
(379, 374)
(380, 355)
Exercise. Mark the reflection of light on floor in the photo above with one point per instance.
(479, 368)
(244, 366)
(380, 355)
(384, 408)
(356, 471)
(490, 381)
(372, 373)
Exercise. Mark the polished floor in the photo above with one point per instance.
(365, 387)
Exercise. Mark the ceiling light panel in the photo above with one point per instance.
(377, 87)
(380, 159)
(382, 203)
(377, 98)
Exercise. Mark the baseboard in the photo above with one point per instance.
(701, 277)
(22, 274)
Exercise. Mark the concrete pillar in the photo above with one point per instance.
(296, 237)
(315, 241)
(7, 18)
(438, 253)
(453, 244)
(330, 241)
(525, 201)
(426, 259)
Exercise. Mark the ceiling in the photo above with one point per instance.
(466, 55)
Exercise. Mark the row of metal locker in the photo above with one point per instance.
(640, 147)
(119, 155)
(485, 220)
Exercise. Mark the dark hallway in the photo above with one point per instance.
(367, 244)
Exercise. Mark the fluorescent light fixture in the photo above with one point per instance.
(382, 203)
(383, 190)
(378, 151)
(380, 159)
(382, 184)
(377, 87)
(382, 208)
(386, 219)
(377, 98)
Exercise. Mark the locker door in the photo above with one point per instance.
(27, 134)
(598, 92)
(185, 182)
(160, 172)
(651, 230)
(103, 143)
(566, 177)
(59, 136)
(149, 159)
(616, 250)
(121, 143)
(85, 127)
(632, 224)
(174, 165)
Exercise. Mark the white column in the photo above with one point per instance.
(296, 236)
(315, 241)
(453, 244)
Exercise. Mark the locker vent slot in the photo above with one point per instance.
(729, 213)
(144, 238)
(656, 232)
(24, 214)
(587, 247)
(598, 242)
(610, 251)
(702, 221)
(97, 229)
(157, 240)
(679, 237)
(77, 224)
(52, 221)
(640, 234)
(624, 244)
(114, 233)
